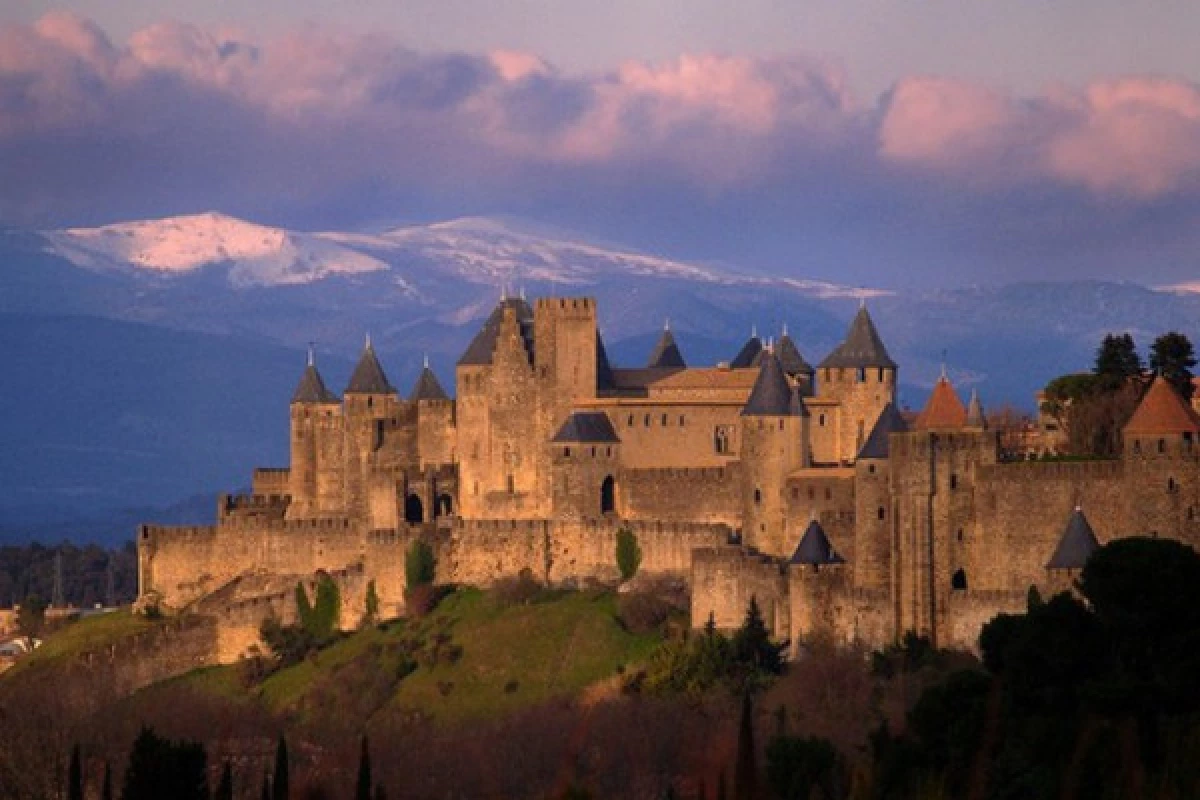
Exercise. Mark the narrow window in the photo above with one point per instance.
(861, 375)
(821, 420)
(629, 423)
(881, 513)
(757, 497)
(566, 451)
(664, 420)
(1162, 445)
(681, 420)
(1171, 484)
(953, 481)
(960, 534)
(646, 421)
(959, 581)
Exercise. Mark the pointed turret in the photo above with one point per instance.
(750, 352)
(1076, 545)
(666, 353)
(604, 373)
(890, 421)
(479, 351)
(427, 386)
(815, 548)
(1162, 411)
(311, 389)
(862, 346)
(772, 395)
(789, 356)
(944, 409)
(368, 377)
(975, 415)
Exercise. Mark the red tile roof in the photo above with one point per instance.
(944, 409)
(1162, 410)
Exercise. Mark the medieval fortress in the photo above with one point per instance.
(765, 477)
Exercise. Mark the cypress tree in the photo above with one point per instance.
(279, 786)
(266, 787)
(225, 787)
(106, 790)
(379, 793)
(75, 775)
(745, 777)
(363, 790)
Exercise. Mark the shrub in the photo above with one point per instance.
(420, 565)
(521, 590)
(641, 612)
(629, 554)
(370, 605)
(422, 599)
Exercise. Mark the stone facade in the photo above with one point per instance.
(548, 450)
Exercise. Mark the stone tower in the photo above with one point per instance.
(774, 443)
(369, 403)
(874, 506)
(315, 477)
(861, 376)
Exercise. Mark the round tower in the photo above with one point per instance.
(860, 377)
(316, 433)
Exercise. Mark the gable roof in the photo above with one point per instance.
(587, 426)
(1076, 545)
(479, 352)
(368, 376)
(1162, 410)
(666, 352)
(311, 389)
(427, 386)
(944, 409)
(772, 395)
(889, 422)
(815, 548)
(862, 346)
(748, 355)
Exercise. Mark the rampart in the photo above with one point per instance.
(695, 494)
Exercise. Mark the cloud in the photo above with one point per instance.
(326, 127)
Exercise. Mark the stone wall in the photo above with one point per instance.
(725, 578)
(698, 494)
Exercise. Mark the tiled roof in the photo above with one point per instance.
(889, 422)
(1077, 544)
(815, 548)
(587, 426)
(368, 376)
(944, 409)
(1162, 410)
(862, 346)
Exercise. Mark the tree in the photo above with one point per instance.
(106, 788)
(798, 766)
(363, 788)
(629, 553)
(31, 616)
(75, 775)
(1117, 360)
(225, 787)
(371, 604)
(752, 645)
(1173, 357)
(745, 776)
(279, 785)
(420, 564)
(161, 768)
(327, 609)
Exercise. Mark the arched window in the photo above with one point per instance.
(414, 510)
(959, 581)
(608, 495)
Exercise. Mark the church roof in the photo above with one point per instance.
(587, 426)
(815, 548)
(1077, 544)
(862, 346)
(975, 415)
(311, 389)
(944, 409)
(749, 354)
(1162, 410)
(889, 422)
(772, 395)
(427, 386)
(479, 352)
(666, 352)
(368, 376)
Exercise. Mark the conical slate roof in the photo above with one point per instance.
(797, 407)
(889, 422)
(311, 389)
(975, 415)
(604, 373)
(368, 376)
(944, 409)
(479, 352)
(666, 353)
(862, 346)
(749, 354)
(815, 548)
(772, 395)
(427, 386)
(587, 426)
(1162, 410)
(789, 356)
(1077, 544)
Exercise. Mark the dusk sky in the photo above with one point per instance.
(868, 142)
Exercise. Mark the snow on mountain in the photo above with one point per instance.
(258, 255)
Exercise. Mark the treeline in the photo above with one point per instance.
(1093, 407)
(90, 574)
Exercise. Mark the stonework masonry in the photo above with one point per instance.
(549, 450)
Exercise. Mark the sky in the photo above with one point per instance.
(871, 142)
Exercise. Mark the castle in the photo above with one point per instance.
(762, 477)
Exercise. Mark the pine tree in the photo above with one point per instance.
(1117, 360)
(75, 775)
(225, 787)
(279, 785)
(363, 790)
(1173, 357)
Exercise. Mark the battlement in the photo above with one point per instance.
(176, 533)
(272, 504)
(281, 525)
(560, 304)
